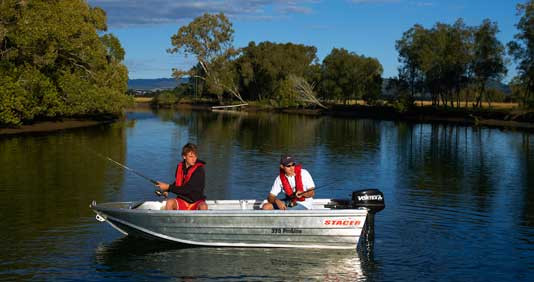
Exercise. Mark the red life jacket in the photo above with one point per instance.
(182, 179)
(298, 183)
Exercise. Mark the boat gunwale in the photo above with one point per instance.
(227, 212)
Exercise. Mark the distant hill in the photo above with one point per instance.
(153, 84)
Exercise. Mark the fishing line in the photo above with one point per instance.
(127, 168)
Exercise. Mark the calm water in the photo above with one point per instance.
(459, 200)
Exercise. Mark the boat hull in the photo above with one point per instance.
(230, 225)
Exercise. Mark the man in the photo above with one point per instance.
(189, 183)
(297, 185)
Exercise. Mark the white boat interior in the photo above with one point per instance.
(318, 204)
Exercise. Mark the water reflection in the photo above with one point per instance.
(461, 189)
(466, 167)
(525, 154)
(243, 149)
(47, 181)
(151, 259)
(459, 199)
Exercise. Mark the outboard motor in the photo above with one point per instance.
(373, 200)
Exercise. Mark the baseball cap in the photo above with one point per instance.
(286, 160)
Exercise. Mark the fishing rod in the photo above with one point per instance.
(158, 192)
(294, 195)
(129, 169)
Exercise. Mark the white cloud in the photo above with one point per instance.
(131, 12)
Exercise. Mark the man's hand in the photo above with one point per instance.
(161, 193)
(306, 194)
(162, 185)
(163, 189)
(281, 205)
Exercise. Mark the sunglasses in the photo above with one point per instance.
(290, 165)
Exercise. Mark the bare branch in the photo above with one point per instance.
(305, 91)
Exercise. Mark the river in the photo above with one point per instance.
(459, 200)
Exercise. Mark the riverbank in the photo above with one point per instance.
(502, 115)
(56, 125)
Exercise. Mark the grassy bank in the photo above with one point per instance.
(498, 115)
(495, 114)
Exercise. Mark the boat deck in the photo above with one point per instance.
(217, 205)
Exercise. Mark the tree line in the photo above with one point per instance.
(450, 64)
(57, 61)
(447, 60)
(281, 74)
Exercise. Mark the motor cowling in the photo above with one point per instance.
(371, 199)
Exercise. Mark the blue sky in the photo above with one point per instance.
(366, 27)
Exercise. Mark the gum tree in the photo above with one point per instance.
(522, 51)
(265, 70)
(488, 58)
(209, 38)
(53, 63)
(346, 75)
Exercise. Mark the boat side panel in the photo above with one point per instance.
(322, 230)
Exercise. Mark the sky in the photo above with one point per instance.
(365, 27)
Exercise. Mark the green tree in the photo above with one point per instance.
(410, 76)
(113, 46)
(488, 58)
(522, 51)
(438, 59)
(445, 61)
(265, 69)
(209, 38)
(346, 75)
(54, 64)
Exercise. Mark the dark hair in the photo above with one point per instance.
(189, 147)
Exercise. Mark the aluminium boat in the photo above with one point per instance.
(330, 224)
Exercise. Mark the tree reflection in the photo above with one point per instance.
(350, 137)
(450, 161)
(48, 180)
(525, 155)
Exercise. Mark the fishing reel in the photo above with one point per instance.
(290, 204)
(288, 201)
(161, 193)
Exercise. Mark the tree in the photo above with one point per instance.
(346, 75)
(522, 51)
(265, 69)
(54, 64)
(304, 91)
(209, 38)
(445, 61)
(113, 46)
(437, 59)
(488, 58)
(410, 72)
